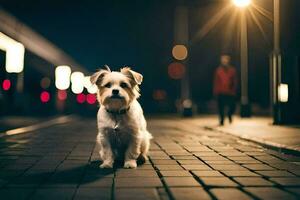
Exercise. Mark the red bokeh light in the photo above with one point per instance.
(6, 84)
(80, 98)
(91, 98)
(176, 70)
(45, 96)
(62, 95)
(159, 94)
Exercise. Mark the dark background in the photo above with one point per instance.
(140, 34)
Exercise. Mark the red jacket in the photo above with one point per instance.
(225, 81)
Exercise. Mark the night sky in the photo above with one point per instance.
(140, 34)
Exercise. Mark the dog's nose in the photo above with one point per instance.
(115, 92)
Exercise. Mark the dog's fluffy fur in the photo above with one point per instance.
(122, 128)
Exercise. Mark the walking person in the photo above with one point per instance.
(225, 86)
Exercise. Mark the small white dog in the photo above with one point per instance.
(122, 128)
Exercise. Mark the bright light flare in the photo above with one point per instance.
(283, 93)
(241, 3)
(77, 80)
(80, 98)
(62, 77)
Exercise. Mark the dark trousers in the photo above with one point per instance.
(226, 101)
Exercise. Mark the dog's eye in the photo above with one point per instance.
(123, 85)
(107, 85)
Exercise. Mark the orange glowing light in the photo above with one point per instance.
(176, 70)
(179, 52)
(159, 94)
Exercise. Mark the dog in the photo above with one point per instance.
(122, 128)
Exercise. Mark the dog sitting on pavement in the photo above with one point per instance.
(122, 128)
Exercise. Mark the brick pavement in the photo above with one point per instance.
(186, 162)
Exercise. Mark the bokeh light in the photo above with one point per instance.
(159, 94)
(45, 96)
(6, 84)
(179, 52)
(45, 82)
(62, 77)
(91, 98)
(176, 70)
(62, 95)
(80, 98)
(77, 80)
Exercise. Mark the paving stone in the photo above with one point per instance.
(241, 158)
(210, 173)
(229, 193)
(53, 193)
(211, 158)
(218, 181)
(136, 194)
(220, 162)
(97, 182)
(190, 162)
(137, 182)
(269, 193)
(13, 193)
(164, 162)
(258, 167)
(277, 173)
(206, 154)
(166, 173)
(93, 194)
(136, 173)
(189, 193)
(196, 167)
(169, 167)
(185, 157)
(197, 149)
(239, 173)
(253, 181)
(228, 167)
(294, 190)
(181, 181)
(293, 181)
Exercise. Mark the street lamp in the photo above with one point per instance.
(241, 3)
(245, 106)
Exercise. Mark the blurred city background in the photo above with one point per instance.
(49, 48)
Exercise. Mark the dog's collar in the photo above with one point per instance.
(118, 112)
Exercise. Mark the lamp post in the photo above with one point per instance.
(245, 106)
(275, 63)
(180, 52)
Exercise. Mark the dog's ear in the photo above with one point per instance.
(97, 77)
(135, 76)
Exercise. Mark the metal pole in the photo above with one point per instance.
(245, 111)
(182, 37)
(276, 63)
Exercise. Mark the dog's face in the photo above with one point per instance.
(116, 90)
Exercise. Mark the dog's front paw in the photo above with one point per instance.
(130, 164)
(106, 165)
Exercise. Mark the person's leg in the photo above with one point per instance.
(231, 109)
(221, 108)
